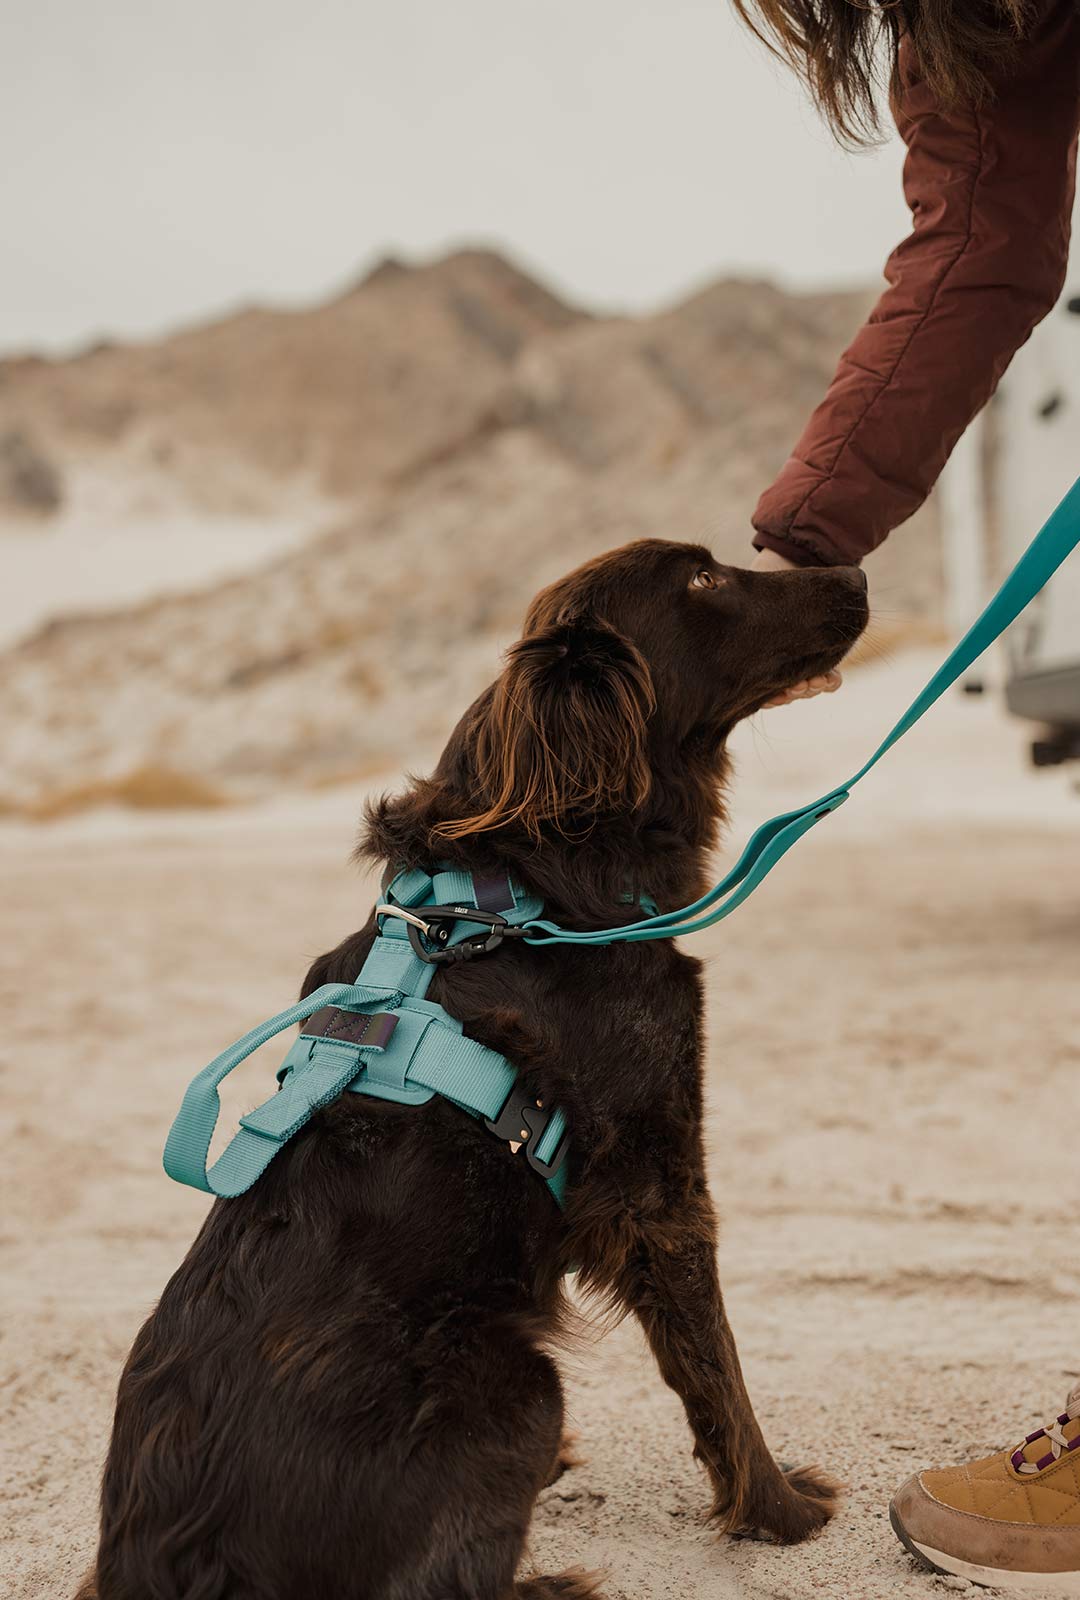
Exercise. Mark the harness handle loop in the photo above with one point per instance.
(249, 1151)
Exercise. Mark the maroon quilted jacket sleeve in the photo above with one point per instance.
(990, 192)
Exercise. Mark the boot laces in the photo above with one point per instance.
(1052, 1432)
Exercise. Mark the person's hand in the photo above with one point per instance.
(825, 682)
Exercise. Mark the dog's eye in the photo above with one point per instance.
(703, 579)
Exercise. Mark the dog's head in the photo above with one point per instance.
(638, 662)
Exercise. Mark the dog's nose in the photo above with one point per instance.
(859, 577)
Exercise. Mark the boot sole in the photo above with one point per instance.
(1064, 1583)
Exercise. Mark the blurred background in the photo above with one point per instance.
(327, 336)
(328, 333)
(389, 317)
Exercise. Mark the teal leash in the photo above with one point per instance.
(1055, 541)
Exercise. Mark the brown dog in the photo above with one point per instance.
(346, 1389)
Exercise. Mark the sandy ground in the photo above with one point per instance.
(892, 1121)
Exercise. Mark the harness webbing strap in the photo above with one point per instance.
(392, 964)
(1056, 540)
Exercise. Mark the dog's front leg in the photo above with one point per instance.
(668, 1278)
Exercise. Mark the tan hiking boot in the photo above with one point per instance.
(1011, 1521)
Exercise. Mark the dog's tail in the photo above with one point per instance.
(577, 1584)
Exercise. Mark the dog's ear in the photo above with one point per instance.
(563, 739)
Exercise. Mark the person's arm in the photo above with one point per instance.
(991, 194)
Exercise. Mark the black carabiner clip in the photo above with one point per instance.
(438, 924)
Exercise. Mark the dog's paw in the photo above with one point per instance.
(816, 1498)
(795, 1507)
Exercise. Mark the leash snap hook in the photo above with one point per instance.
(435, 924)
(383, 910)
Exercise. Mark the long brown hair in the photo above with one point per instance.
(563, 735)
(846, 50)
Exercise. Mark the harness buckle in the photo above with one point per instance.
(521, 1123)
(431, 926)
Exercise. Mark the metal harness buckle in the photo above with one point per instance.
(521, 1122)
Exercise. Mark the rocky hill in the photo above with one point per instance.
(482, 437)
(403, 367)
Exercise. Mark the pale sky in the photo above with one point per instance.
(169, 159)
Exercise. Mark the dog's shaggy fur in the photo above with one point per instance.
(347, 1389)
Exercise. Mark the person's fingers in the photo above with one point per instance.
(769, 561)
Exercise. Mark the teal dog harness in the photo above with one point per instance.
(379, 1036)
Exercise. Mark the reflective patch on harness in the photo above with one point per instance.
(493, 891)
(349, 1027)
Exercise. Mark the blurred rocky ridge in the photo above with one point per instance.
(29, 483)
(481, 436)
(405, 366)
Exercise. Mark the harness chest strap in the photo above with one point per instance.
(378, 1036)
